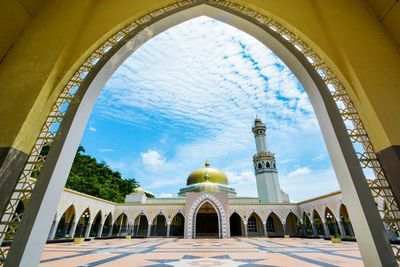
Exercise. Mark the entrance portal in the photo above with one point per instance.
(207, 221)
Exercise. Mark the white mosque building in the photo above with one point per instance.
(206, 207)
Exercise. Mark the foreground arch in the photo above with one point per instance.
(308, 68)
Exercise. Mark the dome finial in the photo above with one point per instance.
(207, 164)
(207, 177)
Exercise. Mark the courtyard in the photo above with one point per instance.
(203, 252)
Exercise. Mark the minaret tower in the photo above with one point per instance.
(265, 167)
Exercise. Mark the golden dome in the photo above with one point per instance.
(138, 190)
(207, 174)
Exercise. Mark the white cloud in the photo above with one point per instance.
(92, 129)
(152, 159)
(303, 171)
(104, 150)
(165, 195)
(207, 81)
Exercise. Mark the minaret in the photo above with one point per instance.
(265, 167)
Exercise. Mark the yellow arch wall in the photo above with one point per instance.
(45, 41)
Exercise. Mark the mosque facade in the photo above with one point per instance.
(207, 207)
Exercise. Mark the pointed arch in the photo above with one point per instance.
(274, 225)
(177, 227)
(216, 204)
(83, 223)
(331, 222)
(318, 223)
(141, 225)
(107, 224)
(308, 228)
(120, 225)
(293, 225)
(96, 224)
(236, 224)
(316, 65)
(255, 226)
(66, 222)
(159, 225)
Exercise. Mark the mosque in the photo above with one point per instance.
(57, 55)
(207, 207)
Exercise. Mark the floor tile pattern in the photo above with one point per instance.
(244, 252)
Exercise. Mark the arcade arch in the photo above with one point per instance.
(177, 225)
(82, 227)
(65, 224)
(236, 225)
(120, 225)
(274, 225)
(318, 224)
(96, 225)
(159, 226)
(310, 69)
(141, 226)
(293, 225)
(331, 227)
(255, 226)
(107, 226)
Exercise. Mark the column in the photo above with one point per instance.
(100, 230)
(72, 231)
(284, 228)
(335, 228)
(148, 230)
(351, 230)
(314, 230)
(265, 229)
(245, 229)
(326, 230)
(65, 229)
(303, 229)
(168, 228)
(53, 230)
(110, 230)
(341, 229)
(88, 228)
(120, 227)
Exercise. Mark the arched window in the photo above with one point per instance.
(252, 225)
(259, 165)
(270, 224)
(268, 165)
(274, 165)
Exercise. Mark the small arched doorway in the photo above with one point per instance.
(159, 226)
(83, 222)
(207, 224)
(293, 225)
(274, 225)
(141, 226)
(65, 224)
(236, 225)
(255, 226)
(177, 225)
(96, 225)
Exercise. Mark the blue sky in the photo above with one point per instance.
(191, 94)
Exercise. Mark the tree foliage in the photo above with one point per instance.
(97, 179)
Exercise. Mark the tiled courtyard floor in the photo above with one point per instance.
(203, 252)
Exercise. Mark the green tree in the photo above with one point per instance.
(95, 178)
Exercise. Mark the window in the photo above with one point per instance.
(259, 165)
(252, 225)
(270, 225)
(268, 165)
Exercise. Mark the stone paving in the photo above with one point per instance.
(203, 252)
